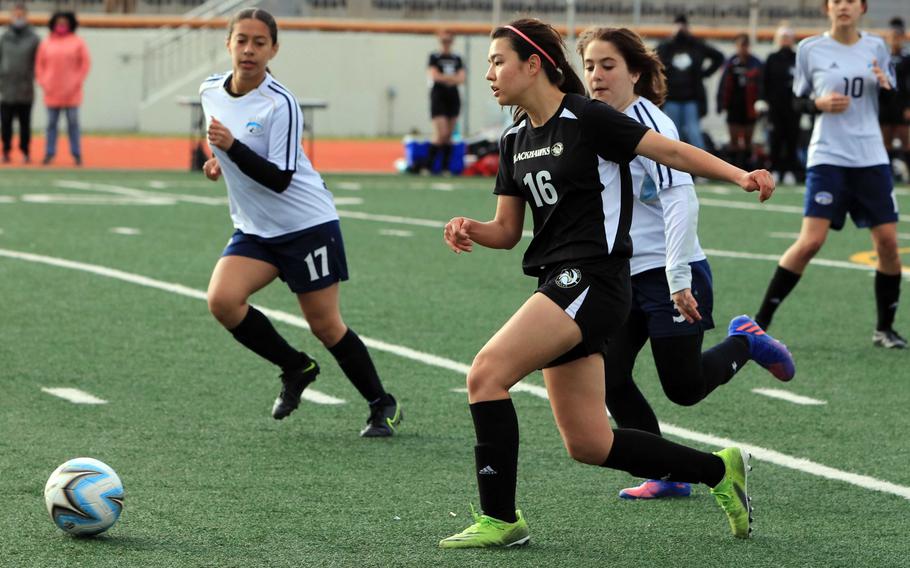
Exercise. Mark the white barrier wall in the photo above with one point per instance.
(375, 84)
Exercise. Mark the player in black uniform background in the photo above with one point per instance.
(446, 72)
(568, 158)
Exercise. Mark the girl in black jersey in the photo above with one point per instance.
(446, 72)
(568, 158)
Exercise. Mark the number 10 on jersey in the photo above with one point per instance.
(542, 190)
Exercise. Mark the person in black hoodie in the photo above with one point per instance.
(684, 58)
(18, 46)
(783, 118)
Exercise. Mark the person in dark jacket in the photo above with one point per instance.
(894, 108)
(783, 118)
(18, 46)
(684, 58)
(737, 94)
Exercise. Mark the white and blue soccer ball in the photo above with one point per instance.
(84, 497)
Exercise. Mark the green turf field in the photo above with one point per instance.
(212, 480)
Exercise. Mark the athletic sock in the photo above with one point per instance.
(651, 457)
(496, 457)
(257, 334)
(431, 157)
(721, 362)
(887, 293)
(357, 365)
(782, 283)
(446, 157)
(630, 409)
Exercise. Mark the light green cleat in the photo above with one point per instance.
(732, 493)
(487, 532)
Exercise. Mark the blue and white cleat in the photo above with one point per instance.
(657, 489)
(764, 349)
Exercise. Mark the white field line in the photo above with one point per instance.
(396, 233)
(320, 398)
(7, 199)
(777, 235)
(348, 185)
(125, 231)
(764, 454)
(75, 396)
(789, 397)
(729, 204)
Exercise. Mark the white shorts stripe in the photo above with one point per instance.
(576, 304)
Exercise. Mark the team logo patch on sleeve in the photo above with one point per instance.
(568, 278)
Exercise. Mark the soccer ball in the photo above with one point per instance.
(84, 497)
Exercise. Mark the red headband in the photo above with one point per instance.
(527, 39)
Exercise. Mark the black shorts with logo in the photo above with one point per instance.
(596, 293)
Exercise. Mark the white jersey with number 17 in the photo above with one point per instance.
(824, 65)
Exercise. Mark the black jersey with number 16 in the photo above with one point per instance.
(574, 173)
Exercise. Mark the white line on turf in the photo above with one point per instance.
(125, 231)
(776, 235)
(320, 398)
(396, 233)
(75, 396)
(789, 397)
(7, 199)
(758, 452)
(348, 185)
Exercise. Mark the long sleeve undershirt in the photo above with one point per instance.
(680, 207)
(258, 168)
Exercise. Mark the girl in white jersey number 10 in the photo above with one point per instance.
(286, 224)
(839, 76)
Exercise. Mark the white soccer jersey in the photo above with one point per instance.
(823, 65)
(665, 208)
(267, 120)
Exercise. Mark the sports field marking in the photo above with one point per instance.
(320, 397)
(788, 236)
(125, 231)
(7, 199)
(726, 203)
(75, 396)
(64, 199)
(157, 184)
(348, 185)
(764, 454)
(396, 233)
(789, 397)
(442, 186)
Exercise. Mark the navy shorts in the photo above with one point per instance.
(866, 193)
(596, 294)
(651, 295)
(306, 260)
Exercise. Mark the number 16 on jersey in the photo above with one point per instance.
(541, 189)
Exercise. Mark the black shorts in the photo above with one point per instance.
(307, 260)
(444, 102)
(891, 114)
(651, 296)
(738, 116)
(596, 293)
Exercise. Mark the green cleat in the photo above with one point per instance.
(731, 493)
(487, 532)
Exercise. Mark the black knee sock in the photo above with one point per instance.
(258, 335)
(781, 284)
(721, 362)
(355, 361)
(431, 156)
(446, 156)
(887, 293)
(630, 409)
(645, 455)
(496, 457)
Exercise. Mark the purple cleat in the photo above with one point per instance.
(764, 349)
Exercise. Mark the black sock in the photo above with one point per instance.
(257, 334)
(431, 156)
(721, 362)
(645, 455)
(630, 409)
(446, 156)
(355, 361)
(496, 457)
(781, 284)
(887, 293)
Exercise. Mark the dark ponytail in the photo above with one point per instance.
(652, 83)
(549, 46)
(255, 14)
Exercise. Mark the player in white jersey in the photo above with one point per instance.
(285, 224)
(672, 296)
(839, 76)
(566, 159)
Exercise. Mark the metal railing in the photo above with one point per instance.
(175, 53)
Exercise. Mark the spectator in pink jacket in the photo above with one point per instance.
(60, 68)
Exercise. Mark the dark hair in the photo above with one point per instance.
(255, 14)
(742, 38)
(652, 84)
(547, 39)
(825, 6)
(681, 19)
(68, 16)
(896, 23)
